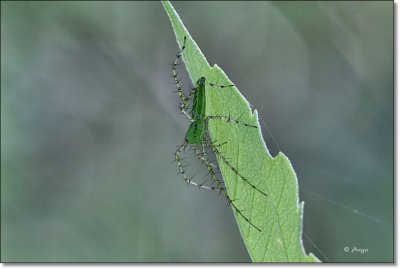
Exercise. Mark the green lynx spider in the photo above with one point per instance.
(198, 139)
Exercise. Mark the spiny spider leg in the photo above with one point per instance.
(220, 186)
(204, 154)
(228, 119)
(219, 85)
(201, 153)
(182, 171)
(185, 111)
(182, 96)
(223, 158)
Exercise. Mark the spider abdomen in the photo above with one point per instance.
(195, 133)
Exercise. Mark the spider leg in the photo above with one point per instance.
(219, 85)
(228, 119)
(220, 186)
(226, 161)
(182, 170)
(185, 111)
(181, 94)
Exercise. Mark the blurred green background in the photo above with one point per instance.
(89, 125)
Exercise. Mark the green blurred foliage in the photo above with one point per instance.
(89, 124)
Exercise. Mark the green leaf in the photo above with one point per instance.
(279, 214)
